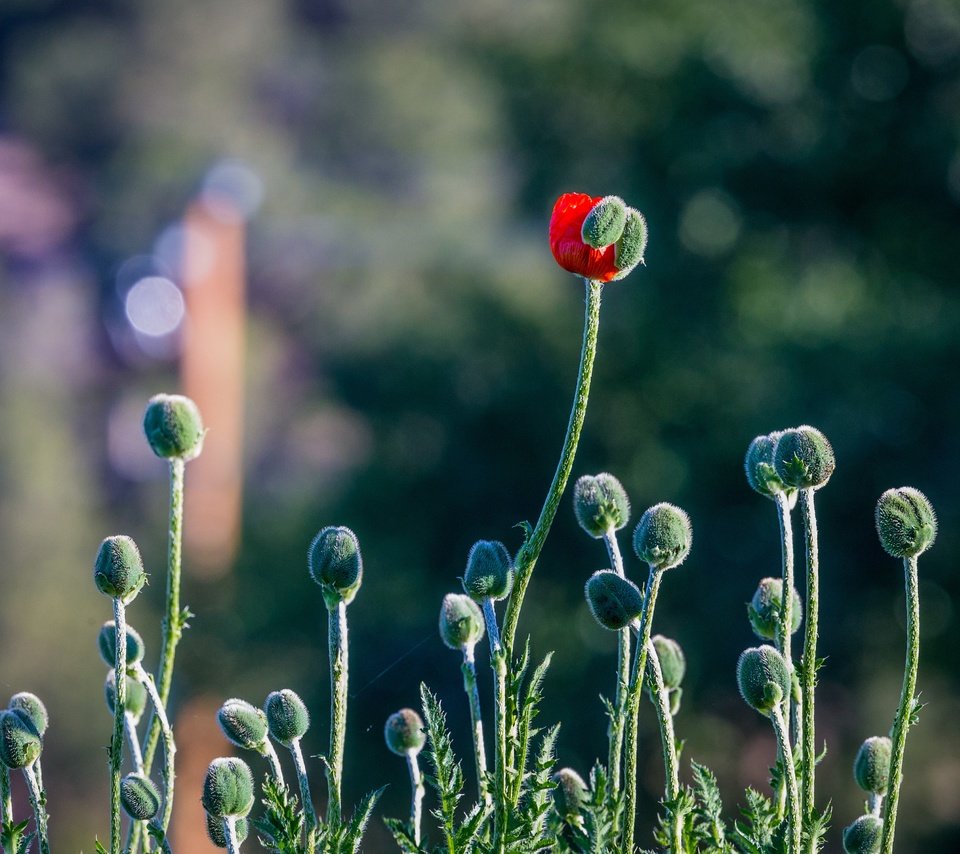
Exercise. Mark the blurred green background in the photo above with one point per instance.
(411, 346)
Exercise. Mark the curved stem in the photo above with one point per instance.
(337, 642)
(119, 711)
(498, 663)
(169, 746)
(39, 810)
(270, 755)
(902, 722)
(530, 551)
(416, 783)
(308, 810)
(469, 669)
(793, 796)
(668, 743)
(133, 741)
(808, 673)
(230, 834)
(615, 734)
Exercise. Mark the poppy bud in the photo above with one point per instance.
(227, 788)
(107, 642)
(673, 663)
(763, 678)
(31, 709)
(135, 698)
(600, 504)
(570, 793)
(663, 536)
(243, 724)
(20, 744)
(461, 621)
(140, 798)
(759, 468)
(629, 249)
(216, 834)
(173, 427)
(335, 564)
(863, 836)
(287, 716)
(872, 765)
(404, 733)
(118, 569)
(604, 224)
(489, 572)
(803, 458)
(765, 608)
(906, 523)
(614, 601)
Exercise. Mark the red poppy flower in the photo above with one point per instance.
(566, 239)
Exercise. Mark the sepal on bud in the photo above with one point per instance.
(872, 765)
(243, 724)
(173, 427)
(906, 522)
(336, 565)
(863, 836)
(216, 834)
(629, 249)
(107, 644)
(766, 607)
(604, 224)
(803, 458)
(403, 732)
(135, 698)
(20, 745)
(139, 796)
(461, 621)
(759, 468)
(227, 788)
(31, 709)
(663, 536)
(614, 601)
(489, 572)
(118, 568)
(673, 663)
(287, 716)
(763, 678)
(570, 793)
(601, 504)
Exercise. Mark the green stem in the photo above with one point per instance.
(469, 669)
(416, 784)
(633, 704)
(6, 803)
(793, 796)
(668, 743)
(133, 741)
(902, 722)
(615, 734)
(339, 675)
(308, 810)
(498, 662)
(270, 755)
(530, 551)
(119, 710)
(230, 834)
(164, 844)
(169, 746)
(784, 629)
(39, 810)
(808, 674)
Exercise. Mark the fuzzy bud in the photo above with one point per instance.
(673, 663)
(118, 569)
(763, 678)
(906, 523)
(489, 572)
(803, 458)
(287, 716)
(759, 468)
(243, 724)
(601, 504)
(872, 765)
(20, 744)
(30, 708)
(218, 837)
(629, 249)
(765, 608)
(604, 224)
(173, 427)
(663, 536)
(335, 564)
(404, 733)
(863, 836)
(107, 643)
(135, 699)
(139, 796)
(614, 601)
(570, 793)
(461, 621)
(227, 788)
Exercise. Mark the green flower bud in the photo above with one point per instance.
(614, 601)
(872, 765)
(863, 836)
(287, 716)
(604, 224)
(673, 663)
(489, 572)
(135, 698)
(404, 732)
(118, 569)
(629, 249)
(107, 642)
(173, 426)
(759, 468)
(906, 523)
(766, 606)
(140, 798)
(663, 536)
(227, 788)
(20, 744)
(763, 678)
(335, 564)
(803, 458)
(243, 724)
(601, 504)
(216, 834)
(31, 709)
(570, 793)
(461, 621)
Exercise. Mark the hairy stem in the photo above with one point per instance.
(793, 796)
(469, 669)
(498, 662)
(230, 834)
(808, 674)
(668, 743)
(615, 734)
(6, 804)
(337, 642)
(416, 784)
(902, 722)
(39, 810)
(119, 711)
(530, 551)
(309, 813)
(785, 627)
(169, 746)
(133, 741)
(270, 755)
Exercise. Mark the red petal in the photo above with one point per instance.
(567, 244)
